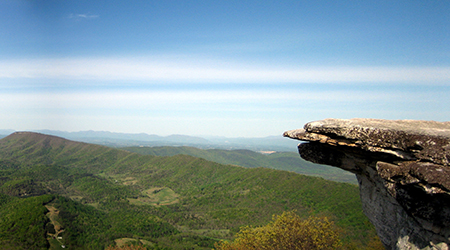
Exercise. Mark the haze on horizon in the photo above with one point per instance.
(226, 68)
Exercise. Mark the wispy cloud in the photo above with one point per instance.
(185, 99)
(82, 16)
(154, 69)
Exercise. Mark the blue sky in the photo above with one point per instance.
(226, 68)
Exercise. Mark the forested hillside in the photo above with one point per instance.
(57, 192)
(288, 161)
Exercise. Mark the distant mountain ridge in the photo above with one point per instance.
(114, 139)
(139, 137)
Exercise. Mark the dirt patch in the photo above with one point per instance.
(76, 197)
(53, 214)
(127, 241)
(124, 241)
(55, 239)
(129, 183)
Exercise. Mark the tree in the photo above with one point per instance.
(286, 231)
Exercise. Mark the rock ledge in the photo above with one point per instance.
(403, 169)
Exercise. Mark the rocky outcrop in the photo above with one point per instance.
(403, 170)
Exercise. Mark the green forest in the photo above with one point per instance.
(56, 193)
(288, 161)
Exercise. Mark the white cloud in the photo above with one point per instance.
(180, 100)
(204, 71)
(82, 16)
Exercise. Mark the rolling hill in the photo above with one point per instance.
(288, 161)
(56, 192)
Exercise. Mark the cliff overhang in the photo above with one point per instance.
(403, 169)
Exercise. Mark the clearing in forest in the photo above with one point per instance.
(157, 196)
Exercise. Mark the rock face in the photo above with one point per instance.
(403, 170)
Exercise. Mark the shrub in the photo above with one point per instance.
(286, 231)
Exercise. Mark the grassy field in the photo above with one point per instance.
(158, 196)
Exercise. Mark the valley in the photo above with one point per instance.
(107, 195)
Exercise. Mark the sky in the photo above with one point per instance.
(220, 68)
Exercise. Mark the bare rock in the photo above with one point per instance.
(403, 169)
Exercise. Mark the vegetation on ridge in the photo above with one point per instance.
(288, 161)
(96, 196)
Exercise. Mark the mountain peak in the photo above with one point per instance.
(32, 136)
(33, 141)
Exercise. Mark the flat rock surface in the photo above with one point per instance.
(344, 126)
(409, 139)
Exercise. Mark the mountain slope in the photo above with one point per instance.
(288, 161)
(159, 200)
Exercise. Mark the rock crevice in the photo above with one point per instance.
(403, 169)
